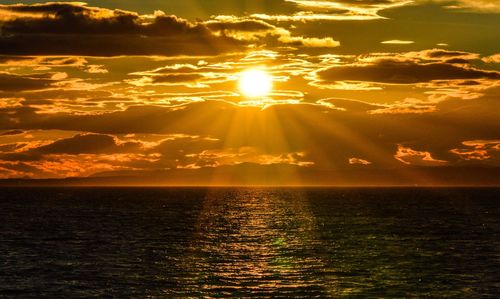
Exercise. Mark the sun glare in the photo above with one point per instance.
(255, 83)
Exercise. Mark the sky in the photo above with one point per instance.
(364, 92)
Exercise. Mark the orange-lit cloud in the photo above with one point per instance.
(413, 157)
(359, 161)
(478, 150)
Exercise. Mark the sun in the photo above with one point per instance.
(255, 83)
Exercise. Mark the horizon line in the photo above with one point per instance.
(244, 186)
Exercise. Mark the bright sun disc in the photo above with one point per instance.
(255, 83)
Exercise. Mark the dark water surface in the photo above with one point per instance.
(163, 243)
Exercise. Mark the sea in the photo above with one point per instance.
(249, 242)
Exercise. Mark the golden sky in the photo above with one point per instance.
(279, 92)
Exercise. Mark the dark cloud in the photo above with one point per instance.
(402, 72)
(457, 61)
(42, 61)
(20, 157)
(13, 82)
(5, 148)
(87, 144)
(446, 54)
(184, 75)
(75, 29)
(12, 132)
(76, 145)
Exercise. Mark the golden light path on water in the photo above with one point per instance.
(258, 243)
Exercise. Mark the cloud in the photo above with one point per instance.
(42, 62)
(253, 30)
(14, 82)
(185, 74)
(441, 55)
(80, 155)
(397, 42)
(354, 161)
(235, 156)
(480, 6)
(87, 144)
(73, 28)
(478, 150)
(181, 150)
(189, 80)
(408, 106)
(12, 132)
(314, 42)
(329, 10)
(349, 105)
(426, 69)
(421, 57)
(492, 59)
(6, 148)
(77, 29)
(86, 154)
(410, 156)
(390, 71)
(96, 69)
(82, 165)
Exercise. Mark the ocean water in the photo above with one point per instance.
(247, 242)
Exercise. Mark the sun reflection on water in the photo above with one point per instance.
(253, 241)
